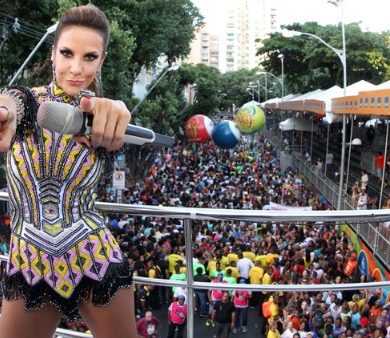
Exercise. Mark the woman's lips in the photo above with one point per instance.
(75, 82)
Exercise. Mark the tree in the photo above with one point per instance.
(165, 111)
(310, 65)
(141, 31)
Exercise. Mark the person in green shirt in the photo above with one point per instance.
(199, 264)
(177, 276)
(214, 272)
(229, 279)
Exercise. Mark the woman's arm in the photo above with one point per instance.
(8, 111)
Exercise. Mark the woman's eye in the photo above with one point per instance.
(66, 53)
(91, 57)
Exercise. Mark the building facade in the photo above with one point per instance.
(242, 25)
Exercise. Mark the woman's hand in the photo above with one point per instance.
(7, 122)
(110, 120)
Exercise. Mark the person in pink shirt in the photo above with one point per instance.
(216, 294)
(177, 315)
(241, 304)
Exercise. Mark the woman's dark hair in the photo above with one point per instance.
(86, 16)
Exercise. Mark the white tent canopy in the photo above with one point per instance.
(360, 86)
(296, 123)
(384, 85)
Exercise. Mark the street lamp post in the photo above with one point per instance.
(266, 83)
(281, 57)
(341, 53)
(169, 69)
(252, 86)
(50, 30)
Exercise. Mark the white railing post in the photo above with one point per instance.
(190, 277)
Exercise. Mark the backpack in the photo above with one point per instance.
(317, 319)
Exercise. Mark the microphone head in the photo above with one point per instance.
(60, 117)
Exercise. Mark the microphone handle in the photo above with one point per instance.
(133, 134)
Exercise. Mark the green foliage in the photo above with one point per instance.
(141, 31)
(309, 64)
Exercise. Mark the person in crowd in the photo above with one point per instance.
(147, 326)
(75, 265)
(379, 164)
(177, 276)
(244, 265)
(177, 315)
(154, 271)
(329, 165)
(289, 330)
(216, 294)
(255, 277)
(241, 303)
(370, 134)
(288, 253)
(362, 201)
(201, 294)
(364, 179)
(223, 316)
(273, 331)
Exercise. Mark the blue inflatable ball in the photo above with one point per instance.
(226, 134)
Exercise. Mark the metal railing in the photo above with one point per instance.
(370, 233)
(190, 214)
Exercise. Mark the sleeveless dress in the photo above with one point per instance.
(60, 249)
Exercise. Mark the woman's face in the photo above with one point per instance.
(77, 57)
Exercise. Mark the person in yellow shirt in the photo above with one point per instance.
(211, 265)
(273, 331)
(267, 277)
(235, 272)
(360, 302)
(256, 273)
(232, 256)
(172, 260)
(271, 257)
(224, 262)
(249, 254)
(262, 258)
(255, 277)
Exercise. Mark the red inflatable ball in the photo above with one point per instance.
(199, 129)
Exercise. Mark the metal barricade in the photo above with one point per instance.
(259, 216)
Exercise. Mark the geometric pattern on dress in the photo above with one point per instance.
(90, 257)
(57, 235)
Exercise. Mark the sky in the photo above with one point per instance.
(373, 14)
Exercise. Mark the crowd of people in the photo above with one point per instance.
(247, 177)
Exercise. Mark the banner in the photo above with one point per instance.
(368, 264)
(276, 206)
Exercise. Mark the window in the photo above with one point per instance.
(379, 102)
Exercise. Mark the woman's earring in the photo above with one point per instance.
(99, 81)
(53, 67)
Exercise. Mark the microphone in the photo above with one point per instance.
(67, 119)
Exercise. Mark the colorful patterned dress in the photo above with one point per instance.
(60, 250)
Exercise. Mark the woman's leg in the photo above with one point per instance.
(16, 322)
(116, 319)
